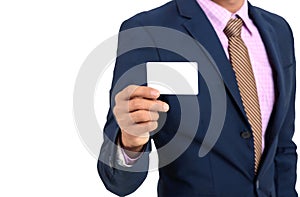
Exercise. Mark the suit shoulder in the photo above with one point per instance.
(273, 18)
(155, 16)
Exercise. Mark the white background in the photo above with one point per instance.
(42, 46)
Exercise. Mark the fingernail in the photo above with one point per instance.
(166, 107)
(155, 93)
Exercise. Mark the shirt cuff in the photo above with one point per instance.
(123, 159)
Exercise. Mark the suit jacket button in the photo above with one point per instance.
(245, 134)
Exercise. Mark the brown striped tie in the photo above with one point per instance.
(241, 64)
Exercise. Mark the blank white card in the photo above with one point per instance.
(175, 78)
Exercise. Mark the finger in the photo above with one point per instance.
(147, 126)
(142, 129)
(120, 109)
(146, 104)
(144, 116)
(138, 91)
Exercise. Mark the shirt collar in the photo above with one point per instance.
(221, 15)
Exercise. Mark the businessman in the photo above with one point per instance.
(254, 155)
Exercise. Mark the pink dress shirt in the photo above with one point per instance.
(218, 17)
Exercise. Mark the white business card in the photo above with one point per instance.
(175, 78)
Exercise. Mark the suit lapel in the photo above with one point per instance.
(269, 38)
(201, 29)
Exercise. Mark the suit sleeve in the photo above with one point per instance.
(286, 155)
(129, 69)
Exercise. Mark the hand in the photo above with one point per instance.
(136, 111)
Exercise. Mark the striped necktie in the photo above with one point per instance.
(241, 64)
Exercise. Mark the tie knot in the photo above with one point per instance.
(233, 27)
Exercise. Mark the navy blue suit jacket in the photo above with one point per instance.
(228, 169)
